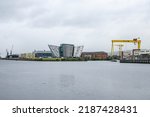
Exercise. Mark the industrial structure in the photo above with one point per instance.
(13, 56)
(135, 41)
(136, 54)
(10, 54)
(66, 51)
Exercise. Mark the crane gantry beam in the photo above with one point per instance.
(135, 41)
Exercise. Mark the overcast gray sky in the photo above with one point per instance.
(33, 24)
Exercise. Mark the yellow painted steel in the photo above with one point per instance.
(135, 41)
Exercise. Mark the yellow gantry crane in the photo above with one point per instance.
(135, 41)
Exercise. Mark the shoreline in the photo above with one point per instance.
(55, 59)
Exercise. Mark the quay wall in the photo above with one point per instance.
(135, 61)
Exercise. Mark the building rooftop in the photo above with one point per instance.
(40, 51)
(66, 44)
(94, 52)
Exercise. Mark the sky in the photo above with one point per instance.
(30, 25)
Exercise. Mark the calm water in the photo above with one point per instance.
(73, 80)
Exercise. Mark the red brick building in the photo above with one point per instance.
(94, 55)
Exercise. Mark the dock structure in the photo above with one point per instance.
(135, 61)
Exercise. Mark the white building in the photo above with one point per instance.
(144, 51)
(78, 51)
(55, 50)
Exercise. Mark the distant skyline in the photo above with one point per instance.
(31, 25)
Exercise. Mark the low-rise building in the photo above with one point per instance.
(42, 54)
(137, 54)
(127, 55)
(144, 52)
(94, 55)
(12, 56)
(27, 56)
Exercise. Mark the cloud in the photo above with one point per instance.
(93, 23)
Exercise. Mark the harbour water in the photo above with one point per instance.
(92, 80)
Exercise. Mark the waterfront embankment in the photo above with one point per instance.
(54, 59)
(135, 61)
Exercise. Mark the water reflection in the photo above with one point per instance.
(66, 81)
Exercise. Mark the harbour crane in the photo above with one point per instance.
(11, 51)
(135, 41)
(7, 53)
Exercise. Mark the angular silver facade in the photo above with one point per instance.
(66, 50)
(78, 51)
(55, 50)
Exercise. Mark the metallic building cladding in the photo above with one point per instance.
(55, 51)
(78, 51)
(66, 50)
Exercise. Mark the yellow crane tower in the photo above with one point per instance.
(135, 41)
(120, 48)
